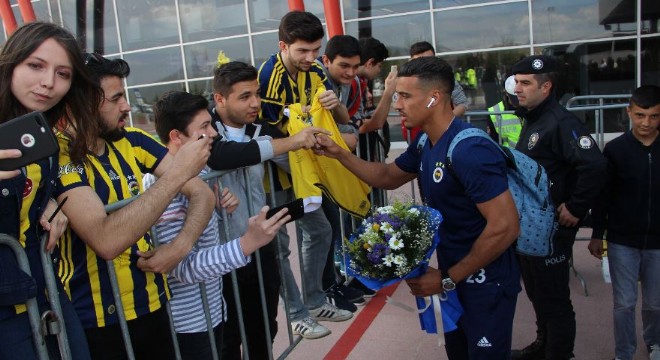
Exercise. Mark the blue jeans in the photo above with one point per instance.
(16, 340)
(627, 266)
(297, 310)
(314, 246)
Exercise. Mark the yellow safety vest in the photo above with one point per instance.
(508, 126)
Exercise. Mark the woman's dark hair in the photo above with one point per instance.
(75, 114)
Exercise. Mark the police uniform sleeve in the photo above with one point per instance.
(580, 151)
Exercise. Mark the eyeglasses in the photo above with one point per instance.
(94, 59)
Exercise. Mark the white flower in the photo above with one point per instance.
(388, 260)
(395, 243)
(386, 228)
(385, 209)
(413, 211)
(400, 260)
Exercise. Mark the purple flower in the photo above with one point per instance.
(377, 253)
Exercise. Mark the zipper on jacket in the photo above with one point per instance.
(648, 210)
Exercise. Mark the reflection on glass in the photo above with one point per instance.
(397, 33)
(439, 4)
(155, 66)
(202, 87)
(202, 58)
(606, 67)
(142, 100)
(566, 20)
(650, 16)
(146, 24)
(482, 74)
(264, 45)
(357, 9)
(109, 44)
(208, 19)
(651, 61)
(266, 14)
(482, 27)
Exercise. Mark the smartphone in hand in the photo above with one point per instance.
(30, 134)
(296, 210)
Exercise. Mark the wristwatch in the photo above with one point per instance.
(447, 283)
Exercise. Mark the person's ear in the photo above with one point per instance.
(175, 137)
(326, 60)
(219, 99)
(282, 45)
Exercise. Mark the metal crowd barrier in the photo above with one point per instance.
(50, 322)
(256, 257)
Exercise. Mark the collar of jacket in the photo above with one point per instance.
(537, 112)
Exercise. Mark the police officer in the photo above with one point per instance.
(507, 126)
(562, 145)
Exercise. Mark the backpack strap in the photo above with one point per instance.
(472, 132)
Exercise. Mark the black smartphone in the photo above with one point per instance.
(296, 210)
(31, 135)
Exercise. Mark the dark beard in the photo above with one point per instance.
(112, 135)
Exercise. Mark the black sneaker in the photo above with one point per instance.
(339, 301)
(367, 293)
(533, 351)
(351, 294)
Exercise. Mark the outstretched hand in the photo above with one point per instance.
(327, 147)
(261, 231)
(306, 138)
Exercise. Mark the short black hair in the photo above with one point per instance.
(226, 75)
(100, 67)
(371, 48)
(430, 70)
(175, 110)
(300, 25)
(420, 47)
(342, 45)
(646, 96)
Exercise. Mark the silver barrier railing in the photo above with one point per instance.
(257, 257)
(51, 321)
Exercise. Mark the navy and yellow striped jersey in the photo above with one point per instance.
(115, 175)
(22, 202)
(279, 90)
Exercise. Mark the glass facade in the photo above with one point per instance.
(606, 46)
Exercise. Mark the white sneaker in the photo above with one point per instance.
(308, 328)
(329, 312)
(654, 352)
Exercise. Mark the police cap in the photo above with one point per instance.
(536, 64)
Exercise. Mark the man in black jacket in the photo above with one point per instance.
(629, 209)
(562, 145)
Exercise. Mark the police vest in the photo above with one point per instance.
(508, 126)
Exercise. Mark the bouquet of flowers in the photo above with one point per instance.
(394, 243)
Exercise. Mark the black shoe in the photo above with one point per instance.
(339, 301)
(351, 294)
(533, 351)
(356, 284)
